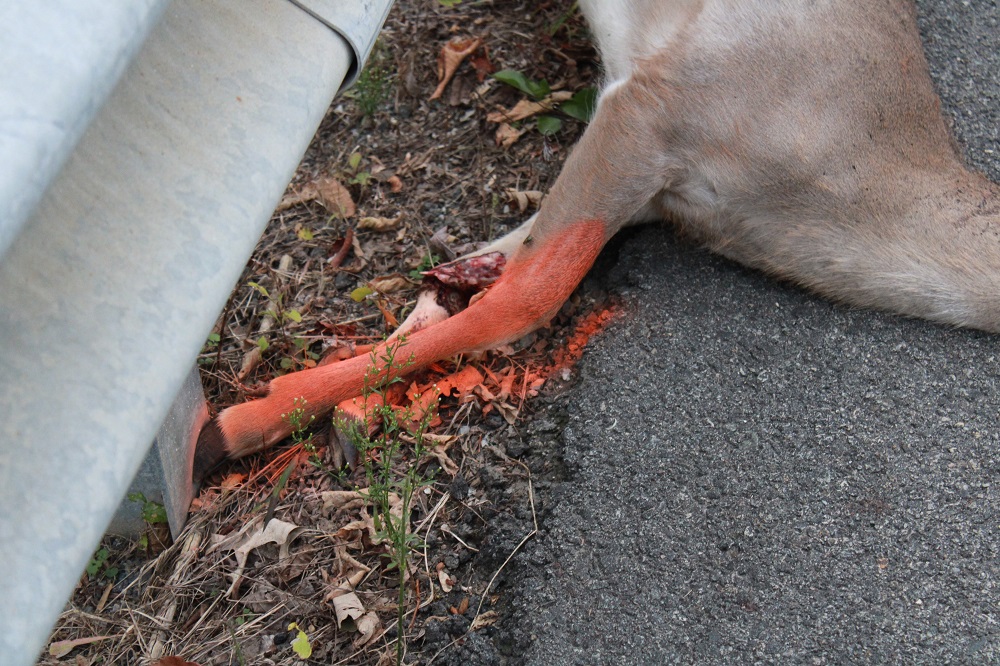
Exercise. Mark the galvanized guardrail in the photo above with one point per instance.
(144, 145)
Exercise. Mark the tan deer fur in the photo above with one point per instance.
(800, 138)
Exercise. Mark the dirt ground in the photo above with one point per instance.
(392, 182)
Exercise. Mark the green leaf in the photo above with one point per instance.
(582, 105)
(99, 558)
(539, 89)
(263, 344)
(305, 233)
(294, 315)
(354, 161)
(360, 293)
(154, 513)
(361, 178)
(301, 642)
(549, 125)
(449, 3)
(286, 363)
(111, 572)
(262, 290)
(515, 79)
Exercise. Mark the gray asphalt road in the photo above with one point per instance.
(757, 476)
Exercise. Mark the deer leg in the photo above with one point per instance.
(448, 288)
(609, 178)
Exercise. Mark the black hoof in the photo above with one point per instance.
(211, 451)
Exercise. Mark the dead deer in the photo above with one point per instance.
(803, 139)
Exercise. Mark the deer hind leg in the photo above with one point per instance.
(610, 176)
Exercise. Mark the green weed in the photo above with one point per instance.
(580, 106)
(372, 88)
(391, 471)
(99, 565)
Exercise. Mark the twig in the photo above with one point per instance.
(337, 259)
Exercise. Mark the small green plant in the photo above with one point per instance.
(580, 106)
(301, 356)
(99, 565)
(278, 314)
(374, 83)
(563, 18)
(297, 349)
(428, 262)
(246, 616)
(355, 175)
(449, 3)
(209, 349)
(393, 477)
(296, 420)
(152, 512)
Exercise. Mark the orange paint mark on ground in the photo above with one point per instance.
(591, 325)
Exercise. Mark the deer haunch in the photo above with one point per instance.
(802, 139)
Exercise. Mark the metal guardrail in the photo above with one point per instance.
(130, 214)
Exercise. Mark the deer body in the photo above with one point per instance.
(802, 139)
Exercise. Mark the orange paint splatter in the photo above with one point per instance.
(591, 325)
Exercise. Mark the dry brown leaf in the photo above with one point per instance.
(507, 135)
(481, 63)
(104, 598)
(358, 251)
(251, 360)
(447, 582)
(395, 184)
(525, 199)
(443, 442)
(335, 197)
(507, 384)
(365, 525)
(347, 606)
(451, 56)
(345, 585)
(253, 536)
(328, 191)
(528, 107)
(447, 464)
(368, 628)
(62, 648)
(174, 661)
(484, 620)
(463, 605)
(233, 480)
(463, 382)
(379, 223)
(341, 499)
(390, 284)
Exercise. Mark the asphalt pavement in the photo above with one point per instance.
(755, 475)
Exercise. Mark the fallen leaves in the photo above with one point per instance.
(524, 200)
(444, 579)
(529, 107)
(253, 536)
(328, 191)
(507, 135)
(59, 649)
(379, 223)
(450, 57)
